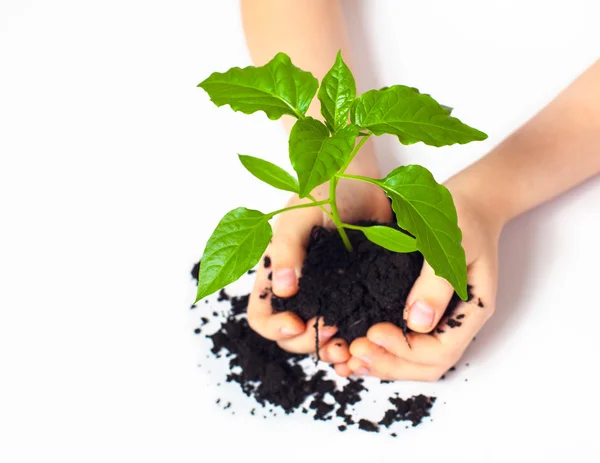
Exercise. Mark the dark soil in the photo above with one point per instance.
(355, 290)
(274, 377)
(413, 409)
(367, 425)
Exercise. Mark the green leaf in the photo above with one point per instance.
(235, 247)
(425, 209)
(337, 94)
(389, 238)
(411, 116)
(448, 109)
(269, 173)
(277, 88)
(315, 155)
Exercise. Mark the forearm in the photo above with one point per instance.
(311, 32)
(556, 150)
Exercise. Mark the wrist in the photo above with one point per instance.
(481, 196)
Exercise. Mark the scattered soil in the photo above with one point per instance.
(274, 377)
(452, 323)
(195, 271)
(413, 410)
(368, 426)
(267, 262)
(355, 290)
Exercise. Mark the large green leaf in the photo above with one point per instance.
(315, 155)
(411, 116)
(425, 209)
(269, 173)
(337, 94)
(277, 88)
(389, 238)
(235, 247)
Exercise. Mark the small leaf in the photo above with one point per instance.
(235, 247)
(411, 116)
(389, 238)
(426, 210)
(277, 88)
(316, 156)
(337, 94)
(269, 173)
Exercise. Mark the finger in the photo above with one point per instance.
(424, 349)
(281, 265)
(427, 300)
(260, 313)
(357, 367)
(335, 351)
(305, 343)
(342, 369)
(447, 343)
(288, 248)
(442, 348)
(384, 365)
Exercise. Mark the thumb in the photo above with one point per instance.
(288, 249)
(427, 301)
(286, 255)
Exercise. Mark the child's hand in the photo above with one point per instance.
(356, 201)
(434, 348)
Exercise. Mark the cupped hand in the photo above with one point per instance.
(433, 347)
(356, 201)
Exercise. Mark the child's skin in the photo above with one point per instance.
(556, 150)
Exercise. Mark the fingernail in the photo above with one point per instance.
(366, 359)
(421, 314)
(284, 279)
(287, 332)
(362, 371)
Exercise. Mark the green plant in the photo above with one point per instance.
(321, 152)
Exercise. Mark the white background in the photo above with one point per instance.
(114, 169)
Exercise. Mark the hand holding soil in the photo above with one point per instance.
(371, 284)
(279, 271)
(436, 346)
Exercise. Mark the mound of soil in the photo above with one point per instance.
(355, 290)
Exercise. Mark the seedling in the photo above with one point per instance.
(320, 152)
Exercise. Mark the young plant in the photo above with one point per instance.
(320, 152)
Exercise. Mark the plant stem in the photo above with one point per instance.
(361, 178)
(351, 227)
(298, 206)
(353, 153)
(335, 216)
(325, 211)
